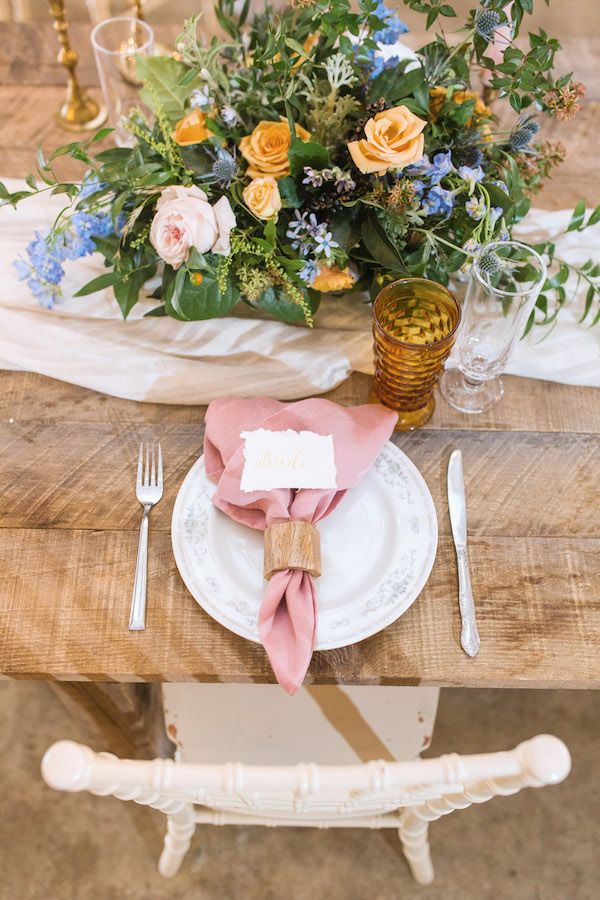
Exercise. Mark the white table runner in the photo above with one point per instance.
(86, 342)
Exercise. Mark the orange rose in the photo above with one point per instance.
(191, 129)
(332, 278)
(392, 140)
(266, 149)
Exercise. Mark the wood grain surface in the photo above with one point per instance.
(69, 527)
(69, 521)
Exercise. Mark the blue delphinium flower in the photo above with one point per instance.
(438, 202)
(73, 239)
(495, 213)
(91, 184)
(441, 165)
(419, 168)
(500, 184)
(42, 270)
(471, 176)
(380, 64)
(309, 271)
(476, 208)
(419, 187)
(394, 26)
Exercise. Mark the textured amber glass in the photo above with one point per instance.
(414, 325)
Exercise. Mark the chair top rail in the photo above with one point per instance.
(69, 766)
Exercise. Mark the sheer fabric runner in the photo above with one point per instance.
(84, 341)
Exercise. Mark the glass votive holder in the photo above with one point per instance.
(118, 43)
(414, 325)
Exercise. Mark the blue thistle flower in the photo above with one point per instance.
(523, 133)
(486, 21)
(489, 263)
(224, 167)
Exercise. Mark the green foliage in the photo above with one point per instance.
(166, 88)
(312, 65)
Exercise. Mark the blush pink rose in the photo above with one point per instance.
(184, 219)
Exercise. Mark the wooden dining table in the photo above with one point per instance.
(69, 520)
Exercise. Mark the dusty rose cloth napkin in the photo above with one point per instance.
(288, 613)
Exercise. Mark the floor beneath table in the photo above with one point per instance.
(540, 845)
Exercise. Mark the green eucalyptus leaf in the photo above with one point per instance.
(307, 153)
(277, 303)
(577, 217)
(289, 192)
(379, 245)
(108, 279)
(191, 302)
(162, 77)
(595, 216)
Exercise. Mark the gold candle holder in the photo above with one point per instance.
(79, 112)
(414, 326)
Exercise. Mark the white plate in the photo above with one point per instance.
(377, 549)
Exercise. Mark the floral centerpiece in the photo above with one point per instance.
(311, 152)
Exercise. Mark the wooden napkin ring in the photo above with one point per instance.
(292, 545)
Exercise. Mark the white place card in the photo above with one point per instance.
(287, 459)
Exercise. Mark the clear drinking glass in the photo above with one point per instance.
(117, 43)
(506, 279)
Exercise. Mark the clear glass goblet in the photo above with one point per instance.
(118, 43)
(506, 279)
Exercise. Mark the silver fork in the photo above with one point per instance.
(148, 490)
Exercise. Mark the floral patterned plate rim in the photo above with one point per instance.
(378, 548)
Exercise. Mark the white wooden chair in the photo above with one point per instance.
(403, 795)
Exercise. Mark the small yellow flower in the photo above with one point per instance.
(437, 98)
(480, 108)
(266, 149)
(262, 197)
(332, 278)
(392, 140)
(191, 129)
(197, 278)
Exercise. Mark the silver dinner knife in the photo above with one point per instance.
(469, 636)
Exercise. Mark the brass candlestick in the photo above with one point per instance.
(79, 112)
(159, 49)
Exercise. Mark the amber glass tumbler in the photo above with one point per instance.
(414, 325)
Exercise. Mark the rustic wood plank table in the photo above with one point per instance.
(69, 521)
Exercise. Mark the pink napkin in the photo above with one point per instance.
(288, 613)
